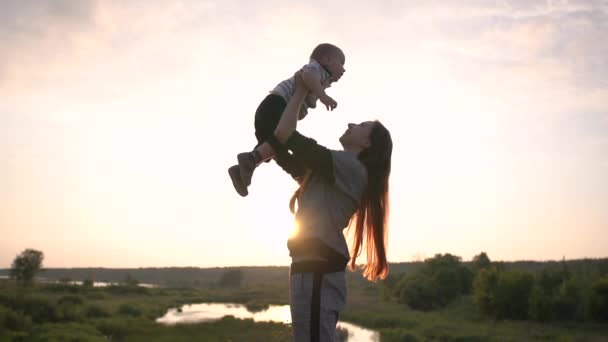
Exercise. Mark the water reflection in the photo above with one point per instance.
(80, 283)
(205, 312)
(95, 283)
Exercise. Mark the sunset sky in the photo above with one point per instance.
(119, 119)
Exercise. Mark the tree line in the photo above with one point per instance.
(559, 292)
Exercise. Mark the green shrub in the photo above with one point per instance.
(62, 288)
(503, 294)
(567, 300)
(41, 309)
(95, 295)
(70, 300)
(513, 294)
(8, 300)
(95, 311)
(484, 289)
(128, 309)
(418, 291)
(599, 300)
(448, 284)
(12, 320)
(114, 329)
(541, 305)
(51, 332)
(439, 281)
(126, 289)
(550, 279)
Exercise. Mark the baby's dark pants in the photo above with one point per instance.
(267, 118)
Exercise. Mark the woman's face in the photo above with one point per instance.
(357, 135)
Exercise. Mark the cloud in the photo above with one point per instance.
(534, 34)
(96, 51)
(529, 44)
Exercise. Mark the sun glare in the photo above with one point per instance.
(296, 229)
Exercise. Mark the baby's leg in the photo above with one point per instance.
(267, 117)
(264, 152)
(248, 161)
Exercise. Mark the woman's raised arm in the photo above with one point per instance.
(289, 120)
(305, 150)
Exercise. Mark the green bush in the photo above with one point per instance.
(129, 309)
(95, 311)
(12, 320)
(8, 299)
(70, 300)
(513, 294)
(599, 300)
(51, 332)
(41, 309)
(449, 284)
(114, 329)
(418, 291)
(70, 313)
(96, 295)
(63, 288)
(550, 279)
(126, 289)
(439, 281)
(504, 294)
(484, 289)
(567, 300)
(541, 305)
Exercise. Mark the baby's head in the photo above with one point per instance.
(331, 57)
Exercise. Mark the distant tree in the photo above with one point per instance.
(440, 280)
(232, 278)
(88, 282)
(26, 265)
(481, 261)
(451, 276)
(439, 261)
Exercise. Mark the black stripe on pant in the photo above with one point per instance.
(315, 309)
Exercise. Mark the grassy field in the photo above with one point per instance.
(76, 313)
(370, 305)
(459, 322)
(120, 313)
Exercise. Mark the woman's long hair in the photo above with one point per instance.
(372, 216)
(370, 221)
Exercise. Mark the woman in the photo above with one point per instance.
(335, 188)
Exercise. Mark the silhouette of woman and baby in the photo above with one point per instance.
(335, 188)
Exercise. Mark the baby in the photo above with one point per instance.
(326, 66)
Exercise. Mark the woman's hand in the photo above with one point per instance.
(300, 84)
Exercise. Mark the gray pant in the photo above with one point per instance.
(316, 300)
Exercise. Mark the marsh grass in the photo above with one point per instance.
(77, 313)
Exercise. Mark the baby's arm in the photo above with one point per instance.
(312, 79)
